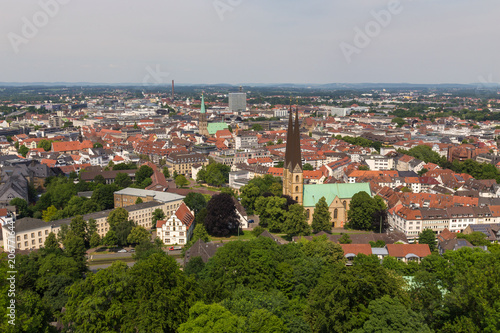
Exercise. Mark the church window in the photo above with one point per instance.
(308, 212)
(335, 213)
(296, 178)
(345, 204)
(296, 188)
(296, 198)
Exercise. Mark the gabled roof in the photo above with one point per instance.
(405, 250)
(184, 215)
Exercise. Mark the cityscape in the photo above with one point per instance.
(158, 176)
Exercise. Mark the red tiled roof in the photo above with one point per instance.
(184, 214)
(71, 145)
(402, 250)
(357, 249)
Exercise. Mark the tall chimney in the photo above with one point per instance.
(172, 90)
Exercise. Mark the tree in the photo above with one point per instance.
(422, 172)
(97, 145)
(295, 223)
(110, 238)
(138, 235)
(95, 240)
(23, 150)
(195, 201)
(143, 173)
(74, 247)
(104, 196)
(45, 144)
(181, 181)
(390, 315)
(138, 201)
(338, 302)
(476, 238)
(307, 167)
(322, 219)
(257, 231)
(345, 239)
(271, 212)
(51, 244)
(364, 167)
(257, 127)
(21, 207)
(222, 219)
(117, 216)
(166, 173)
(362, 211)
(399, 121)
(99, 179)
(123, 180)
(49, 213)
(158, 215)
(427, 236)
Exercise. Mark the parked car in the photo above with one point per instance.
(172, 248)
(122, 251)
(251, 221)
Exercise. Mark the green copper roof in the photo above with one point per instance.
(214, 127)
(314, 192)
(202, 104)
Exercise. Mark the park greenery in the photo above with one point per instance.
(251, 286)
(61, 200)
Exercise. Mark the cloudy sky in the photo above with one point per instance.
(250, 41)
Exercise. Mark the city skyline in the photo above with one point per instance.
(240, 42)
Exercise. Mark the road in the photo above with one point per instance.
(117, 256)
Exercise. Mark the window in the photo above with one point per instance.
(46, 232)
(25, 243)
(167, 241)
(32, 235)
(335, 213)
(18, 245)
(26, 236)
(39, 240)
(18, 238)
(296, 178)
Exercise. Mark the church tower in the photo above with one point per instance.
(202, 121)
(293, 180)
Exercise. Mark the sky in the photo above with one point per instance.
(250, 41)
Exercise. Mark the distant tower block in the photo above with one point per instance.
(238, 101)
(172, 90)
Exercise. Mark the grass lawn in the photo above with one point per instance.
(245, 235)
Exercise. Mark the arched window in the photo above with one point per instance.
(335, 213)
(297, 179)
(296, 188)
(297, 199)
(308, 212)
(345, 204)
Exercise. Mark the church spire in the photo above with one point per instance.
(202, 104)
(289, 136)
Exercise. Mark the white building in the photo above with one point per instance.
(178, 229)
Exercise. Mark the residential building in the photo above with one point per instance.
(178, 228)
(182, 162)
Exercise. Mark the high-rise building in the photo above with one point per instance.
(238, 102)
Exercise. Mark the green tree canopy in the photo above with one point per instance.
(295, 223)
(427, 236)
(322, 219)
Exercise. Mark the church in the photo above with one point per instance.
(338, 196)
